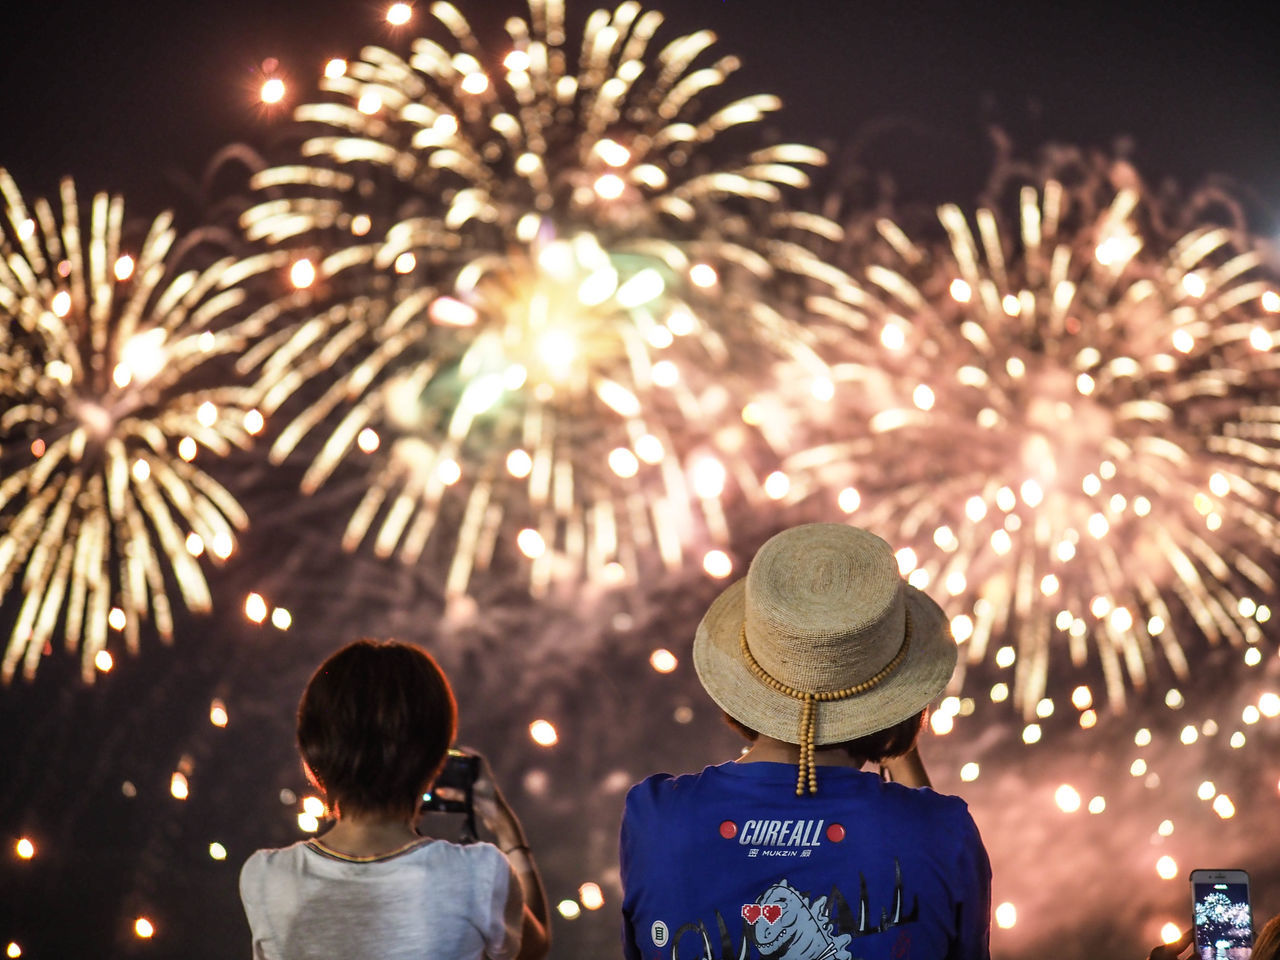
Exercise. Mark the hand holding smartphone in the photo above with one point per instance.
(1223, 915)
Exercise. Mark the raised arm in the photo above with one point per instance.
(509, 835)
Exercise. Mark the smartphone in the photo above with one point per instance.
(460, 772)
(1222, 914)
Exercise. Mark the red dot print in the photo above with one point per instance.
(835, 833)
(728, 829)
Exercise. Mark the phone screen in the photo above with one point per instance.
(1224, 922)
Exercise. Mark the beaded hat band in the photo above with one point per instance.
(823, 622)
(809, 713)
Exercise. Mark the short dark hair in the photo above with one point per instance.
(374, 725)
(875, 747)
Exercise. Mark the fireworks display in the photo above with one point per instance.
(547, 308)
(1070, 429)
(105, 410)
(530, 293)
(1223, 915)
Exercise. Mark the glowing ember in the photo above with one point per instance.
(255, 607)
(663, 661)
(272, 90)
(717, 564)
(1223, 806)
(543, 733)
(302, 274)
(569, 909)
(1067, 798)
(1006, 915)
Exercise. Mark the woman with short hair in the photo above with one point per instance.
(374, 728)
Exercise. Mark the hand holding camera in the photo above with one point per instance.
(466, 785)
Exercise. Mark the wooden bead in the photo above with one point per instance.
(808, 719)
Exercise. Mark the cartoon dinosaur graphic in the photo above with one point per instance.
(789, 927)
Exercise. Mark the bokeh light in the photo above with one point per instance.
(272, 90)
(543, 733)
(255, 607)
(569, 909)
(1067, 798)
(663, 661)
(717, 564)
(1006, 916)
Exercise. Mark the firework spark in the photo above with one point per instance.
(1071, 431)
(533, 297)
(101, 505)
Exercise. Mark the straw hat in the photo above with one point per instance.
(823, 641)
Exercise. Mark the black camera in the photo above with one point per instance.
(460, 772)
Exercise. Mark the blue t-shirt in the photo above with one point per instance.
(729, 864)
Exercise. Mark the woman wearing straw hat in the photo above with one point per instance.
(826, 660)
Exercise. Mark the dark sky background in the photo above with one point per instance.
(138, 97)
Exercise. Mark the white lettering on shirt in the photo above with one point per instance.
(781, 833)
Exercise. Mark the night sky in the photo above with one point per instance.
(137, 98)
